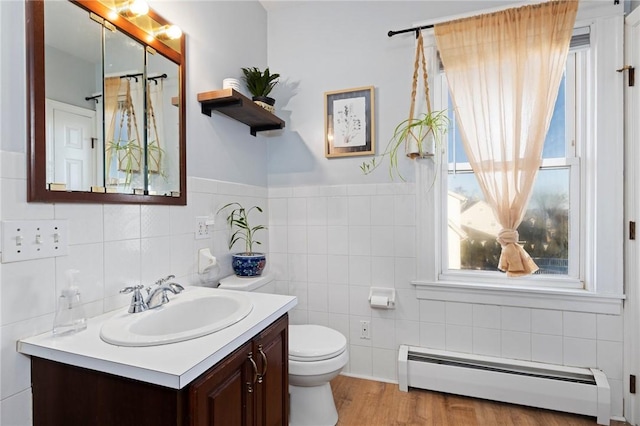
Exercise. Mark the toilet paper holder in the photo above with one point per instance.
(382, 298)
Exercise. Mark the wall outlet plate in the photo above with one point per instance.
(202, 228)
(365, 329)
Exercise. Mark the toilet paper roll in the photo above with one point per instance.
(379, 302)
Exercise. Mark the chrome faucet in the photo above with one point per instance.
(138, 304)
(156, 297)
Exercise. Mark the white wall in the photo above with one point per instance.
(118, 245)
(222, 37)
(330, 244)
(323, 46)
(334, 232)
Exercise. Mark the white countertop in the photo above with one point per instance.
(172, 365)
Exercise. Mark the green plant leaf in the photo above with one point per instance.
(259, 83)
(415, 129)
(238, 219)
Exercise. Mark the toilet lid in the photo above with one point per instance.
(314, 343)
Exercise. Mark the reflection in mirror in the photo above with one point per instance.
(124, 113)
(73, 54)
(163, 147)
(106, 106)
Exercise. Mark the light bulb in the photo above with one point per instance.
(169, 32)
(134, 8)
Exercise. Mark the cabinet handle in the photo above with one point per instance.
(255, 373)
(264, 364)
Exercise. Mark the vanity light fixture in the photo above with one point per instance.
(133, 8)
(168, 32)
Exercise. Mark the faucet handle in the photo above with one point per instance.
(131, 289)
(138, 303)
(165, 279)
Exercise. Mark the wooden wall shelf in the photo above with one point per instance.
(237, 106)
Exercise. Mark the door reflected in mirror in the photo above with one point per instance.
(107, 119)
(73, 56)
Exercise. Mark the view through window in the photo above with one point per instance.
(545, 230)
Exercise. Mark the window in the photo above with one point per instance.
(550, 229)
(594, 279)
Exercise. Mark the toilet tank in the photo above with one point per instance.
(261, 284)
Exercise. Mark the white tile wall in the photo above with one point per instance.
(487, 341)
(113, 246)
(546, 348)
(368, 233)
(327, 245)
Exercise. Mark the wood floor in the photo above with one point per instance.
(369, 403)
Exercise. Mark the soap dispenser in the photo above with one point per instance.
(70, 316)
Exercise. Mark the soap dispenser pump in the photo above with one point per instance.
(70, 316)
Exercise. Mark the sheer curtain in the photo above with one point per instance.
(503, 71)
(111, 92)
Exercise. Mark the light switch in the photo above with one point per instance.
(33, 239)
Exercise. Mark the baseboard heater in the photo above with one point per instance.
(569, 389)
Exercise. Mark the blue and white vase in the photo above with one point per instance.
(248, 264)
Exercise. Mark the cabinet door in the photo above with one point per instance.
(271, 352)
(224, 395)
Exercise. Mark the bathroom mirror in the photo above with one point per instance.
(105, 105)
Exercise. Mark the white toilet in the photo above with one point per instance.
(317, 354)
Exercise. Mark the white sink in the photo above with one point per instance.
(195, 312)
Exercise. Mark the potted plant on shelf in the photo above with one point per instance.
(260, 84)
(247, 263)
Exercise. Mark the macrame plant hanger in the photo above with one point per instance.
(411, 138)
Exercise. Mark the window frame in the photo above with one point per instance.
(576, 85)
(601, 168)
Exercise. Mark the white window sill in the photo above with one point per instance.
(577, 300)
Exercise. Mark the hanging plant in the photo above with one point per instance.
(127, 154)
(126, 149)
(421, 136)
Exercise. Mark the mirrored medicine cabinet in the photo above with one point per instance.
(106, 109)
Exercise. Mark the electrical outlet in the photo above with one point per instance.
(365, 330)
(202, 229)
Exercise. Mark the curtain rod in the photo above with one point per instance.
(408, 30)
(424, 27)
(154, 79)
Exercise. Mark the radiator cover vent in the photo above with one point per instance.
(501, 367)
(574, 390)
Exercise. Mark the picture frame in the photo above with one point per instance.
(349, 122)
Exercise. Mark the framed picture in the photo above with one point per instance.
(349, 127)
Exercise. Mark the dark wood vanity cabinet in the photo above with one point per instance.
(248, 387)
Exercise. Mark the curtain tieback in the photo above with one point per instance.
(514, 260)
(508, 236)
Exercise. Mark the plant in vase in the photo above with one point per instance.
(421, 135)
(247, 263)
(260, 85)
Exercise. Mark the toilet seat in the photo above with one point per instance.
(309, 343)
